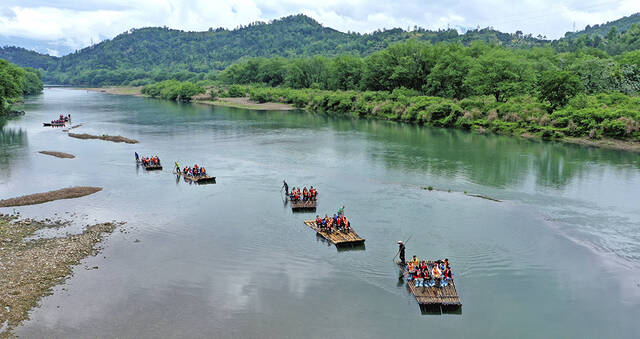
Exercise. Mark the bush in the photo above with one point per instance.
(236, 91)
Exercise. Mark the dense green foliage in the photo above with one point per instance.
(451, 71)
(622, 25)
(173, 90)
(16, 82)
(612, 115)
(146, 55)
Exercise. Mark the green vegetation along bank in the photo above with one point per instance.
(15, 83)
(536, 92)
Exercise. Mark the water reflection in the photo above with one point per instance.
(12, 142)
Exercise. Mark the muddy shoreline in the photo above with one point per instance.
(29, 269)
(205, 99)
(39, 198)
(58, 154)
(112, 138)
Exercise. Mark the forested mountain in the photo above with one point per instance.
(162, 53)
(28, 58)
(622, 25)
(145, 55)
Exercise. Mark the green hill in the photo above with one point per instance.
(140, 56)
(162, 53)
(621, 25)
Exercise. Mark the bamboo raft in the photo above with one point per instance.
(434, 299)
(302, 205)
(53, 124)
(199, 179)
(338, 238)
(149, 167)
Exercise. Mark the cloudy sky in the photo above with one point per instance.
(60, 26)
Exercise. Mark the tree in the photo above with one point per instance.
(345, 72)
(447, 76)
(501, 74)
(558, 87)
(11, 84)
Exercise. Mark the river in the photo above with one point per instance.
(558, 256)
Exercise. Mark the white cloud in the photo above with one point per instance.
(76, 24)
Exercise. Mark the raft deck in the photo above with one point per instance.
(150, 167)
(302, 205)
(434, 299)
(338, 238)
(55, 124)
(199, 179)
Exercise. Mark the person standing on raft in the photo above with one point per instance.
(401, 251)
(286, 187)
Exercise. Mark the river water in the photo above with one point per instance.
(559, 256)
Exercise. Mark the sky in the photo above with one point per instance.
(58, 27)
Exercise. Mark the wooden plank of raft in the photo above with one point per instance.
(337, 237)
(197, 179)
(301, 204)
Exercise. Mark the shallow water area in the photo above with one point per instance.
(559, 256)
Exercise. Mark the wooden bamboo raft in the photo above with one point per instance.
(338, 238)
(199, 179)
(54, 124)
(434, 298)
(150, 167)
(301, 205)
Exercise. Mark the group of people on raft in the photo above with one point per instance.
(338, 222)
(63, 119)
(423, 273)
(148, 161)
(429, 274)
(193, 172)
(305, 195)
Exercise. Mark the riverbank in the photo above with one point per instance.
(30, 268)
(521, 117)
(118, 90)
(244, 102)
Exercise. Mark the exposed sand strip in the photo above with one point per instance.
(39, 198)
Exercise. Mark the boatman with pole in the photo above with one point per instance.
(286, 187)
(401, 251)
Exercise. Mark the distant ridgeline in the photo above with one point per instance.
(15, 82)
(145, 55)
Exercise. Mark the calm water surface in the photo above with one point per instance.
(558, 257)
